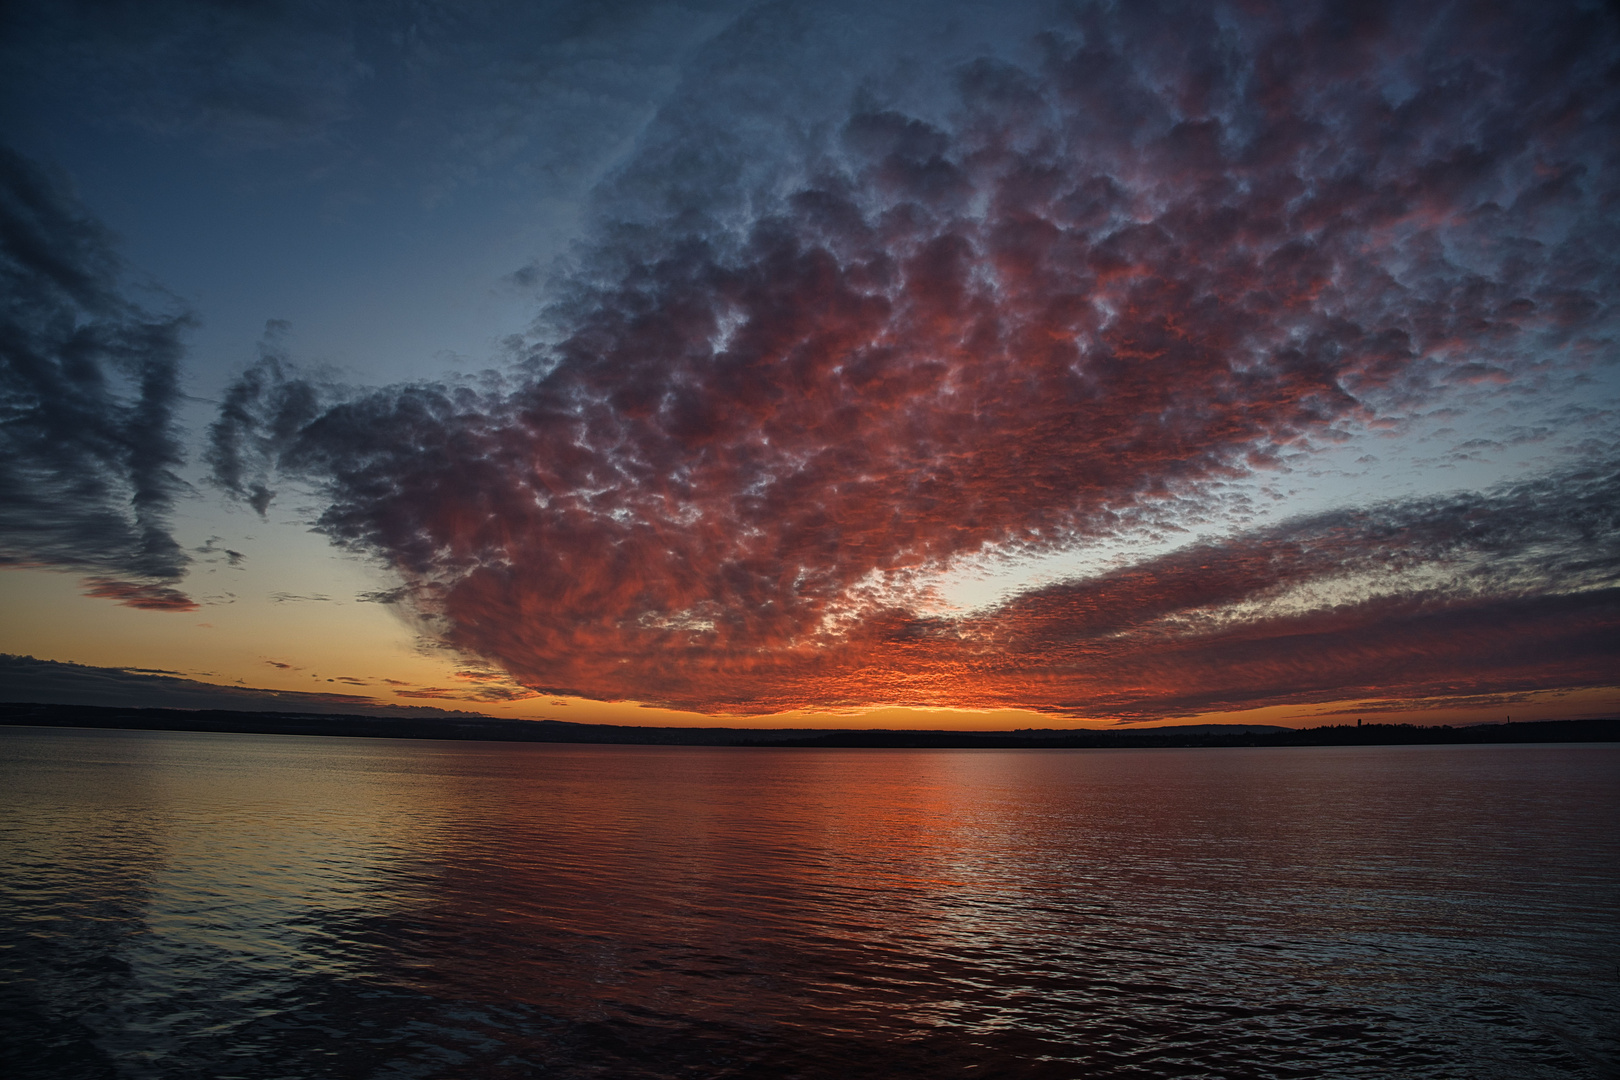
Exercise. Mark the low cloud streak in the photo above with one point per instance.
(50, 682)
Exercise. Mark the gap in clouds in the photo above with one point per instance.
(800, 372)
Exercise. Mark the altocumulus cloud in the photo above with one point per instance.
(89, 381)
(814, 355)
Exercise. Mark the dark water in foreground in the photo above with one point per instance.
(192, 905)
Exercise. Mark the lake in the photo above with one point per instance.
(208, 905)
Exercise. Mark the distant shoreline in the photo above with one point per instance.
(493, 729)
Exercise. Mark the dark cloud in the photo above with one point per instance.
(260, 412)
(211, 551)
(1098, 283)
(385, 596)
(89, 381)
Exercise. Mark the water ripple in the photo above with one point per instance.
(179, 905)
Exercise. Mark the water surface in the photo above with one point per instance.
(194, 905)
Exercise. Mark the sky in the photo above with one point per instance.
(847, 364)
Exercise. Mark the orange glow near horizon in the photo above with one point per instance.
(363, 652)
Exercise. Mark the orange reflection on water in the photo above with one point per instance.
(669, 911)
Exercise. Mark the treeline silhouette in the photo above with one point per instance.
(1604, 730)
(493, 729)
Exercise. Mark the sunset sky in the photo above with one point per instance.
(861, 364)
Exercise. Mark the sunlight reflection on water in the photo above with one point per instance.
(181, 905)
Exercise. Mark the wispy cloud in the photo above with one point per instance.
(482, 693)
(89, 383)
(436, 93)
(211, 552)
(146, 596)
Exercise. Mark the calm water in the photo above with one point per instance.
(180, 905)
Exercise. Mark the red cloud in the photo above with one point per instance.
(1118, 279)
(148, 597)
